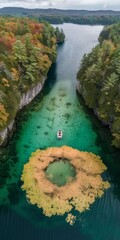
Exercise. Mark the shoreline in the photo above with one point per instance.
(25, 99)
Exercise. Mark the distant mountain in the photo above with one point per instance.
(50, 11)
(58, 16)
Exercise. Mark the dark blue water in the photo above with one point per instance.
(59, 107)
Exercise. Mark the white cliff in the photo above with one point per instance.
(25, 99)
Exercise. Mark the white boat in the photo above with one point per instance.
(59, 134)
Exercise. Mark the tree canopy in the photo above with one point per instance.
(99, 77)
(27, 50)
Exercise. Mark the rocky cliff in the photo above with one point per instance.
(25, 99)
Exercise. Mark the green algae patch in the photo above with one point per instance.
(78, 192)
(60, 172)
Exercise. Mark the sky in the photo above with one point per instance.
(63, 4)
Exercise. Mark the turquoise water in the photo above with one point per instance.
(60, 172)
(59, 107)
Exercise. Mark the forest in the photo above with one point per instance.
(87, 19)
(59, 16)
(99, 80)
(27, 50)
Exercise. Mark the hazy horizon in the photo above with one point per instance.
(81, 9)
(91, 5)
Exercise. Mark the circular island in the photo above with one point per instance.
(59, 179)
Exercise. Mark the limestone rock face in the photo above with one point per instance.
(4, 134)
(78, 193)
(26, 98)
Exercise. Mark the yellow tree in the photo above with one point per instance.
(3, 116)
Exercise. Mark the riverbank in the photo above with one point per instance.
(26, 54)
(25, 99)
(99, 76)
(95, 112)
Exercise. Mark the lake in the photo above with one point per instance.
(58, 106)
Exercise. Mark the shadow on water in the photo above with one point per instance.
(51, 79)
(8, 157)
(104, 137)
(109, 154)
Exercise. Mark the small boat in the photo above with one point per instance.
(59, 134)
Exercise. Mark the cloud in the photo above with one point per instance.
(64, 4)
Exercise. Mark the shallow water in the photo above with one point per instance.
(59, 107)
(60, 172)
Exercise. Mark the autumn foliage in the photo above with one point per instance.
(99, 80)
(3, 115)
(27, 50)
